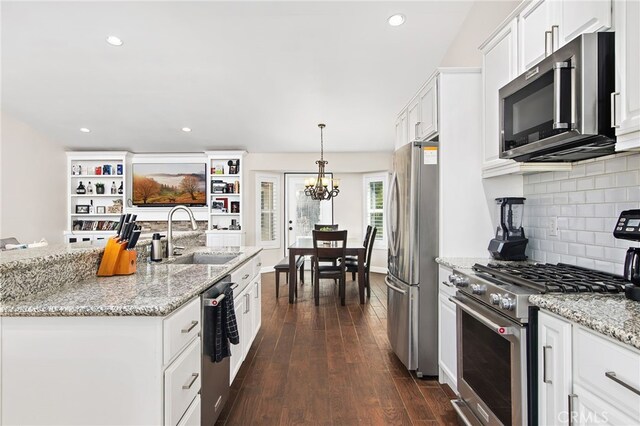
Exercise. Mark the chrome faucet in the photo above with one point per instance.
(170, 248)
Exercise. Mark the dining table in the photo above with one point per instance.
(304, 247)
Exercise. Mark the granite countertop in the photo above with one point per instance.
(468, 262)
(154, 290)
(612, 315)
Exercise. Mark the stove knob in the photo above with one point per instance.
(478, 289)
(462, 281)
(494, 298)
(452, 278)
(507, 303)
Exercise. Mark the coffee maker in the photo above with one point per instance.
(509, 242)
(628, 228)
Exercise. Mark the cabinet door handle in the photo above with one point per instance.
(544, 364)
(257, 290)
(189, 327)
(614, 124)
(191, 381)
(548, 43)
(612, 375)
(417, 129)
(245, 277)
(246, 303)
(570, 398)
(555, 37)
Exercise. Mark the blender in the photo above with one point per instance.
(509, 242)
(628, 228)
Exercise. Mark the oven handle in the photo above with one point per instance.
(484, 320)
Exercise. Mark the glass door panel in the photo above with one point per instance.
(301, 212)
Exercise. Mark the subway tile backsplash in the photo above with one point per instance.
(586, 203)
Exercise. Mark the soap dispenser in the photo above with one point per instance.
(156, 248)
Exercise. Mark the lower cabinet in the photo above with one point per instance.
(247, 301)
(554, 369)
(447, 335)
(585, 376)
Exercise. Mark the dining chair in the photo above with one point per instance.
(321, 227)
(352, 265)
(329, 245)
(364, 243)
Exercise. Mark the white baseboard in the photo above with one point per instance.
(379, 269)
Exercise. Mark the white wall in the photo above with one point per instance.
(483, 18)
(348, 167)
(587, 203)
(33, 195)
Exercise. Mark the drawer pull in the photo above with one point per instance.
(612, 375)
(192, 380)
(189, 328)
(245, 277)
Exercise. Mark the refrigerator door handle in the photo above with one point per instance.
(393, 287)
(393, 214)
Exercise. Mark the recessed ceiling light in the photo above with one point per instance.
(84, 130)
(186, 129)
(396, 20)
(114, 41)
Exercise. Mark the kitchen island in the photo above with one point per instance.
(112, 350)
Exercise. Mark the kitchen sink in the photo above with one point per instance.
(206, 258)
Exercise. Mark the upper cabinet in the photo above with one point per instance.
(427, 125)
(402, 136)
(535, 32)
(499, 66)
(580, 17)
(626, 99)
(419, 120)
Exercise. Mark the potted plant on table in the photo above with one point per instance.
(99, 188)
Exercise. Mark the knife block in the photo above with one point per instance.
(116, 260)
(127, 263)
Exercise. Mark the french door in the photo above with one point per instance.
(301, 212)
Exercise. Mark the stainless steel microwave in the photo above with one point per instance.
(560, 110)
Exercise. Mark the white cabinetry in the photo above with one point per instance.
(427, 125)
(447, 334)
(413, 119)
(402, 136)
(247, 301)
(581, 17)
(586, 375)
(499, 67)
(107, 370)
(534, 32)
(627, 96)
(554, 368)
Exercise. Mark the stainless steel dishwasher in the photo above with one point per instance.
(215, 375)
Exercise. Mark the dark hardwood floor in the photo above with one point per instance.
(329, 364)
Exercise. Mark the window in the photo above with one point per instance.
(375, 186)
(268, 210)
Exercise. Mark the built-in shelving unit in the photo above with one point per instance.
(102, 210)
(226, 201)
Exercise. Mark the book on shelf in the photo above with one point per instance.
(94, 225)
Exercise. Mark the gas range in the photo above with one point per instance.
(507, 287)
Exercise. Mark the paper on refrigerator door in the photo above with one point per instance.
(430, 154)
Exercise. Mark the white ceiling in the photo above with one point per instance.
(258, 75)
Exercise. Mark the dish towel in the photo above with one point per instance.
(224, 329)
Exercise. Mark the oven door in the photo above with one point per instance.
(491, 365)
(538, 109)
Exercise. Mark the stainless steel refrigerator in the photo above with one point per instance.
(412, 282)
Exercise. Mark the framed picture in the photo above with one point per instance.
(217, 206)
(82, 209)
(235, 207)
(101, 209)
(233, 170)
(224, 200)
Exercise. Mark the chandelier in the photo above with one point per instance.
(321, 187)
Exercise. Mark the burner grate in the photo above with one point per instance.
(560, 278)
